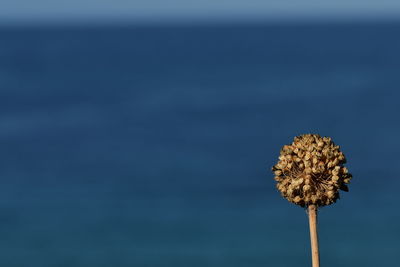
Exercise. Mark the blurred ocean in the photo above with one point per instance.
(152, 146)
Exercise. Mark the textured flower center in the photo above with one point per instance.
(311, 171)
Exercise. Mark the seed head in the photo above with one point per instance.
(311, 171)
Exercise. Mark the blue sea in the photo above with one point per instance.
(151, 146)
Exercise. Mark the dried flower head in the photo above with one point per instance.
(311, 171)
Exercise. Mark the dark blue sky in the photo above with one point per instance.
(161, 10)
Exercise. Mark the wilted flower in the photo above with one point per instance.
(310, 171)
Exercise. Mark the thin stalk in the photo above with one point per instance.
(312, 217)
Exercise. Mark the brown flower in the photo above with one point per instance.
(311, 171)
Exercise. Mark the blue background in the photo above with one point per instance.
(152, 145)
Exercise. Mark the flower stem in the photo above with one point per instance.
(312, 217)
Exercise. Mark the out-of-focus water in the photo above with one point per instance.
(151, 146)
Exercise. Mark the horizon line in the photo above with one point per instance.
(201, 20)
